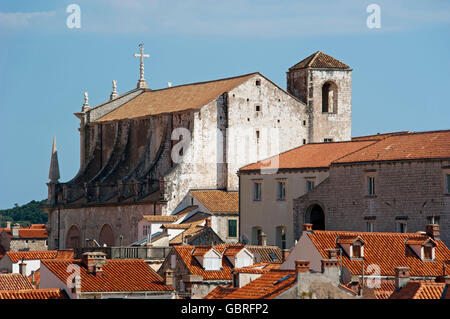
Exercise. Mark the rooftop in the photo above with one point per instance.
(320, 60)
(33, 294)
(14, 282)
(16, 256)
(217, 200)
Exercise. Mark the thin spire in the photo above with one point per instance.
(54, 166)
(86, 105)
(114, 93)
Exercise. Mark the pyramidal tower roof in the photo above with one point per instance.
(320, 60)
(54, 166)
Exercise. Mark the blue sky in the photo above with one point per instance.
(400, 71)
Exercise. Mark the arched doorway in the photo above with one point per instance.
(73, 239)
(106, 236)
(315, 216)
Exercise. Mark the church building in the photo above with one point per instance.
(143, 151)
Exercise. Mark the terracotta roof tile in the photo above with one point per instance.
(16, 256)
(320, 60)
(37, 231)
(268, 254)
(259, 268)
(267, 286)
(191, 231)
(220, 292)
(218, 200)
(14, 282)
(159, 218)
(178, 98)
(33, 294)
(313, 155)
(378, 136)
(117, 275)
(414, 146)
(420, 290)
(388, 250)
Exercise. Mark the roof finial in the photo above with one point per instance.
(86, 103)
(114, 93)
(54, 167)
(141, 83)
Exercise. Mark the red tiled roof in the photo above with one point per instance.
(320, 60)
(194, 267)
(218, 200)
(14, 282)
(16, 256)
(414, 146)
(265, 253)
(174, 99)
(117, 275)
(378, 136)
(259, 268)
(32, 231)
(233, 249)
(267, 286)
(420, 290)
(220, 292)
(37, 278)
(313, 155)
(33, 294)
(159, 218)
(387, 250)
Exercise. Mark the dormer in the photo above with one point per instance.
(353, 246)
(423, 248)
(239, 257)
(208, 257)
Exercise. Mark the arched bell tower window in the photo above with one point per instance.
(329, 97)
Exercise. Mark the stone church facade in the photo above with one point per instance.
(143, 151)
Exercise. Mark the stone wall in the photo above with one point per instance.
(410, 191)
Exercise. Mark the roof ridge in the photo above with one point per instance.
(312, 60)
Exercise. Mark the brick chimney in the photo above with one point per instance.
(332, 253)
(23, 268)
(208, 222)
(330, 269)
(94, 262)
(402, 276)
(284, 254)
(15, 230)
(307, 228)
(263, 239)
(301, 266)
(168, 277)
(433, 230)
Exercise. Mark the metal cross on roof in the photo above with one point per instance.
(141, 55)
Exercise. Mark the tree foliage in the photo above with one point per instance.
(27, 214)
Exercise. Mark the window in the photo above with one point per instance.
(433, 220)
(304, 122)
(212, 263)
(309, 185)
(328, 140)
(173, 260)
(447, 183)
(356, 251)
(428, 252)
(258, 108)
(256, 191)
(258, 82)
(256, 235)
(304, 141)
(257, 136)
(370, 185)
(329, 97)
(281, 237)
(232, 228)
(370, 226)
(281, 190)
(401, 226)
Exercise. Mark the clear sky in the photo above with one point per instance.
(400, 70)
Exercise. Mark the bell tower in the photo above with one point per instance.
(324, 84)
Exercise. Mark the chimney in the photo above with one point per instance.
(301, 266)
(332, 253)
(169, 84)
(94, 262)
(401, 277)
(444, 277)
(284, 254)
(76, 285)
(168, 277)
(23, 268)
(33, 279)
(8, 225)
(15, 230)
(208, 222)
(433, 230)
(330, 269)
(307, 228)
(263, 239)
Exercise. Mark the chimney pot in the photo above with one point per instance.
(433, 230)
(15, 230)
(8, 225)
(23, 268)
(284, 254)
(301, 266)
(332, 253)
(263, 239)
(307, 227)
(168, 277)
(94, 262)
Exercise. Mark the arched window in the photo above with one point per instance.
(73, 239)
(316, 217)
(329, 97)
(106, 236)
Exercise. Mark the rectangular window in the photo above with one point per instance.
(401, 227)
(356, 250)
(281, 190)
(427, 252)
(328, 140)
(370, 185)
(370, 226)
(232, 228)
(433, 220)
(256, 191)
(309, 186)
(447, 183)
